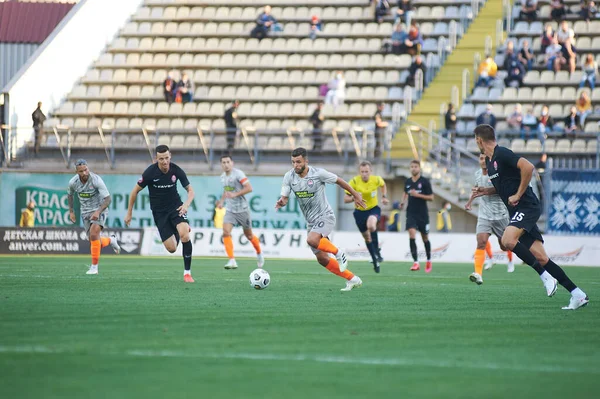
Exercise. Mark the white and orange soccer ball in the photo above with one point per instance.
(260, 279)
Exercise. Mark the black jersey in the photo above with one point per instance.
(163, 187)
(506, 177)
(417, 206)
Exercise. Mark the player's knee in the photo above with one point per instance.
(185, 237)
(249, 236)
(313, 241)
(503, 247)
(542, 258)
(509, 243)
(171, 248)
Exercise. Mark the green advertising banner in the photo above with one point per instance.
(49, 191)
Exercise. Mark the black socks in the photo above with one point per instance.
(526, 256)
(428, 249)
(413, 249)
(558, 273)
(187, 255)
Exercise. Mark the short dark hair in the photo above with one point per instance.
(226, 156)
(416, 162)
(485, 132)
(162, 148)
(366, 163)
(299, 152)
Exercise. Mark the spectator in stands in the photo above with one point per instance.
(406, 10)
(572, 122)
(565, 33)
(547, 37)
(415, 39)
(444, 222)
(169, 88)
(317, 119)
(584, 108)
(515, 119)
(526, 55)
(569, 54)
(588, 10)
(487, 71)
(559, 11)
(337, 90)
(510, 55)
(590, 70)
(394, 218)
(231, 124)
(315, 27)
(264, 24)
(450, 121)
(529, 125)
(381, 10)
(487, 117)
(412, 71)
(516, 73)
(528, 10)
(546, 123)
(554, 56)
(399, 36)
(38, 118)
(185, 88)
(380, 126)
(540, 166)
(28, 215)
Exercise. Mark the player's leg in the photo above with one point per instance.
(372, 226)
(511, 241)
(331, 264)
(498, 227)
(246, 222)
(412, 238)
(93, 229)
(424, 230)
(183, 228)
(578, 297)
(229, 220)
(511, 264)
(318, 240)
(362, 222)
(479, 258)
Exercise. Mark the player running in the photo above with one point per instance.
(418, 191)
(510, 175)
(366, 219)
(170, 214)
(308, 185)
(491, 219)
(94, 200)
(235, 186)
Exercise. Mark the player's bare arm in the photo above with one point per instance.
(281, 202)
(71, 211)
(348, 198)
(384, 198)
(190, 197)
(526, 169)
(132, 199)
(477, 192)
(105, 203)
(404, 198)
(426, 197)
(247, 189)
(356, 197)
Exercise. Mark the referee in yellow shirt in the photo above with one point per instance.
(367, 218)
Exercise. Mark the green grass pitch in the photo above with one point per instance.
(137, 331)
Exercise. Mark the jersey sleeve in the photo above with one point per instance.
(70, 189)
(285, 185)
(508, 157)
(182, 177)
(143, 181)
(352, 184)
(427, 187)
(327, 177)
(241, 177)
(380, 181)
(102, 190)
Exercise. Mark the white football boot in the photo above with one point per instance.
(114, 243)
(92, 270)
(342, 260)
(511, 267)
(260, 260)
(489, 263)
(551, 284)
(476, 278)
(355, 282)
(232, 264)
(577, 301)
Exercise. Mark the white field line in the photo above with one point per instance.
(309, 358)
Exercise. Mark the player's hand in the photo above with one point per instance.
(127, 219)
(385, 201)
(359, 202)
(477, 192)
(513, 200)
(468, 206)
(229, 194)
(95, 216)
(182, 209)
(219, 204)
(72, 216)
(402, 206)
(281, 202)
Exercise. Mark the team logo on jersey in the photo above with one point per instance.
(495, 165)
(310, 183)
(173, 178)
(419, 186)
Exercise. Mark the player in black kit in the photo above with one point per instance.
(169, 212)
(418, 191)
(510, 175)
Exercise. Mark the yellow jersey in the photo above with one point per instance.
(368, 190)
(27, 218)
(218, 217)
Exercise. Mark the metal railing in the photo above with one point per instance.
(466, 86)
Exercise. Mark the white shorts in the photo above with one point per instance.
(238, 219)
(495, 227)
(324, 227)
(87, 222)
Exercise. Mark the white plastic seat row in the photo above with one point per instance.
(542, 94)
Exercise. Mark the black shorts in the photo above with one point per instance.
(167, 222)
(361, 217)
(419, 222)
(525, 217)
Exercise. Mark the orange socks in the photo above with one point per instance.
(326, 246)
(479, 261)
(95, 247)
(488, 250)
(228, 242)
(104, 241)
(509, 255)
(256, 244)
(334, 267)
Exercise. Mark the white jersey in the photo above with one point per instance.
(91, 194)
(491, 207)
(234, 182)
(310, 192)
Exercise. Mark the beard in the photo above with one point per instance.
(301, 170)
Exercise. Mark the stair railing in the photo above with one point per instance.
(466, 87)
(488, 45)
(442, 52)
(452, 33)
(454, 96)
(419, 83)
(408, 98)
(499, 33)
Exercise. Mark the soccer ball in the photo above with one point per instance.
(260, 279)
